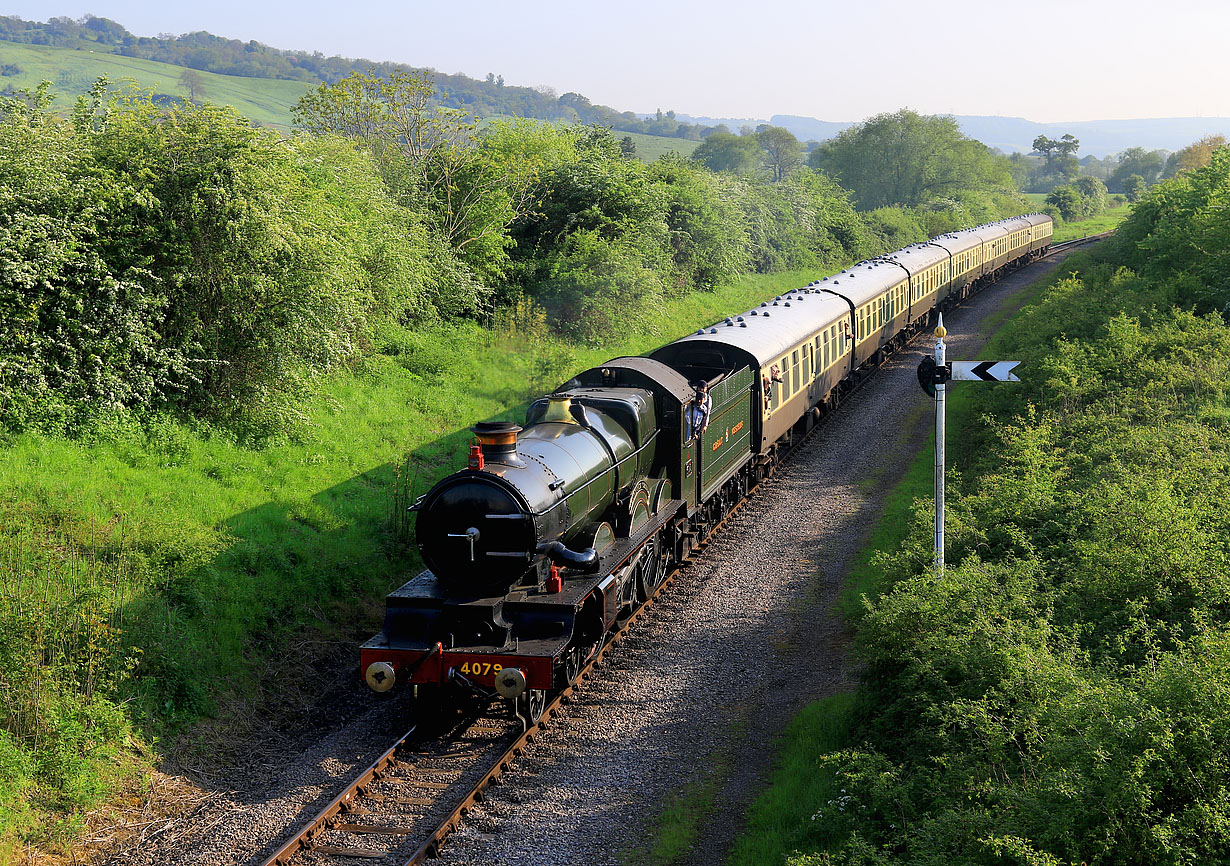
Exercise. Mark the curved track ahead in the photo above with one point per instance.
(403, 806)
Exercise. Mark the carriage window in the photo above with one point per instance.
(795, 382)
(806, 362)
(825, 356)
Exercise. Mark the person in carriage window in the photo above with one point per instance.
(699, 410)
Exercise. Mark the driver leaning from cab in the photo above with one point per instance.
(699, 410)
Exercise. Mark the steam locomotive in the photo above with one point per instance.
(560, 528)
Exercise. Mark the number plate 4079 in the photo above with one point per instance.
(480, 669)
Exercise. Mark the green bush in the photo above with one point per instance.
(598, 287)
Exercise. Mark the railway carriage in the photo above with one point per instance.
(557, 531)
(965, 251)
(775, 344)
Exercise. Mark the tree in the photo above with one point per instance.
(1093, 195)
(1061, 164)
(426, 151)
(1136, 160)
(907, 159)
(1195, 155)
(709, 236)
(627, 146)
(1134, 187)
(722, 151)
(1067, 200)
(1043, 146)
(783, 153)
(1068, 145)
(195, 85)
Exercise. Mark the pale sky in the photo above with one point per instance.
(842, 60)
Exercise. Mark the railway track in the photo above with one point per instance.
(402, 807)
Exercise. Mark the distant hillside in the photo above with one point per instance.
(205, 52)
(72, 71)
(1098, 137)
(264, 82)
(266, 101)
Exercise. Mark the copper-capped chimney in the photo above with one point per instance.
(498, 441)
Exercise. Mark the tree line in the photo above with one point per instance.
(175, 256)
(229, 268)
(1053, 163)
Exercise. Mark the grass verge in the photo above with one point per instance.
(784, 818)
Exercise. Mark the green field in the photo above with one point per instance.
(1070, 231)
(71, 72)
(650, 147)
(1103, 222)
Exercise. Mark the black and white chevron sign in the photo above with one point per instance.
(984, 371)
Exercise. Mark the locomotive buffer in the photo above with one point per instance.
(934, 375)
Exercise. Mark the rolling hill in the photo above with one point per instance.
(266, 101)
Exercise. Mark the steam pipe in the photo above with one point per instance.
(586, 560)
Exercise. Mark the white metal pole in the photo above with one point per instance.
(940, 359)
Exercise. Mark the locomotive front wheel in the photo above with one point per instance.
(531, 705)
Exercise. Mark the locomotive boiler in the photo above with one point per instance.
(548, 489)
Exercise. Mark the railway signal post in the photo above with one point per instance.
(934, 375)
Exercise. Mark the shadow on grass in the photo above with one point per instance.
(249, 661)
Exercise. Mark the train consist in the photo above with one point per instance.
(559, 529)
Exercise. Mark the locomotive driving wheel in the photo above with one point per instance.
(651, 570)
(576, 659)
